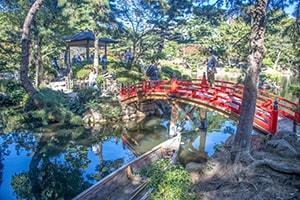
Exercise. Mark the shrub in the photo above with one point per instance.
(83, 73)
(169, 181)
(55, 108)
(84, 96)
(14, 93)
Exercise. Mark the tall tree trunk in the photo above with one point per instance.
(96, 53)
(25, 53)
(38, 60)
(277, 59)
(241, 143)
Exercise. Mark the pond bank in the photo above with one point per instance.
(273, 174)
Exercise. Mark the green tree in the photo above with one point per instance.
(280, 45)
(256, 11)
(46, 38)
(147, 25)
(26, 46)
(10, 50)
(241, 144)
(46, 33)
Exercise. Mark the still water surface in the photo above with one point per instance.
(59, 162)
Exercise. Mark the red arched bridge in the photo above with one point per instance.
(224, 98)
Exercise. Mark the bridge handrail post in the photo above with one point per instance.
(173, 85)
(123, 93)
(297, 114)
(274, 117)
(144, 87)
(204, 82)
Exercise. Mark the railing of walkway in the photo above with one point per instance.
(110, 87)
(224, 94)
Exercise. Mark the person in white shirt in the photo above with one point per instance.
(92, 78)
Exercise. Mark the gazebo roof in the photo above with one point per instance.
(86, 39)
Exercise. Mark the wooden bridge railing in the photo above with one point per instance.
(224, 94)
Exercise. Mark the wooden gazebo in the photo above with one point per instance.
(86, 39)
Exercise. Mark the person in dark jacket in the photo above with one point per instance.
(55, 64)
(152, 71)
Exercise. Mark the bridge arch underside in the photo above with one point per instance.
(191, 101)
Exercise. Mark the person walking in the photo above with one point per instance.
(55, 63)
(211, 67)
(104, 63)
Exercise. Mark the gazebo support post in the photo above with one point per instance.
(88, 50)
(68, 59)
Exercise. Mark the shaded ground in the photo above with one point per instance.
(274, 173)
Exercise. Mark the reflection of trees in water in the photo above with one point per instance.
(25, 141)
(215, 121)
(49, 177)
(99, 134)
(286, 83)
(50, 180)
(1, 167)
(148, 127)
(54, 176)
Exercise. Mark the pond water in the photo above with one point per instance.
(279, 85)
(59, 162)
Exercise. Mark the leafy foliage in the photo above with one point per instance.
(131, 77)
(13, 118)
(109, 111)
(269, 78)
(55, 108)
(80, 72)
(295, 90)
(169, 181)
(14, 93)
(169, 72)
(84, 96)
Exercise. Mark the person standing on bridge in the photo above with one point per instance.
(211, 67)
(152, 71)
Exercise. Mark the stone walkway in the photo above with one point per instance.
(60, 85)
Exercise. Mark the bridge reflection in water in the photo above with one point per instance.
(197, 145)
(224, 98)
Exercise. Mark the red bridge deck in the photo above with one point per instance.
(225, 98)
